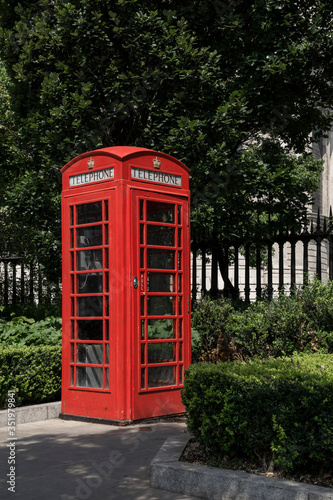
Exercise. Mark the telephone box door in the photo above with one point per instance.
(161, 299)
(86, 372)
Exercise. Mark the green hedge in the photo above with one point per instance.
(34, 373)
(280, 410)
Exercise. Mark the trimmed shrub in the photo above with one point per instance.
(34, 373)
(280, 410)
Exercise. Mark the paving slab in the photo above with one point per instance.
(69, 460)
(211, 483)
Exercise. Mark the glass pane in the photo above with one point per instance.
(106, 378)
(161, 235)
(180, 351)
(181, 374)
(71, 218)
(161, 353)
(160, 282)
(72, 238)
(89, 212)
(106, 229)
(106, 210)
(180, 328)
(142, 234)
(159, 376)
(72, 329)
(160, 212)
(160, 259)
(106, 255)
(106, 354)
(89, 376)
(179, 237)
(143, 384)
(180, 283)
(179, 215)
(143, 353)
(161, 306)
(180, 265)
(106, 282)
(90, 306)
(72, 353)
(91, 236)
(106, 330)
(89, 259)
(142, 257)
(161, 328)
(142, 329)
(90, 329)
(72, 375)
(141, 209)
(90, 283)
(180, 305)
(90, 353)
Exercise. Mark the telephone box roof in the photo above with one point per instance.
(123, 153)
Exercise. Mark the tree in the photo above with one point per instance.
(234, 89)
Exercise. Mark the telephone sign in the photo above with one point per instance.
(126, 284)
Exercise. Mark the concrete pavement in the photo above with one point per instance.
(56, 459)
(67, 460)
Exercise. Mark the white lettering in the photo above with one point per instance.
(98, 175)
(159, 177)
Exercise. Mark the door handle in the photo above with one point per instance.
(135, 282)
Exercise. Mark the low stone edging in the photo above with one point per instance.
(168, 473)
(34, 413)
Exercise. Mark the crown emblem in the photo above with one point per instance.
(157, 162)
(91, 163)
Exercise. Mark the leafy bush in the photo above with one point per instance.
(280, 410)
(317, 304)
(209, 331)
(31, 310)
(270, 329)
(26, 331)
(267, 328)
(34, 373)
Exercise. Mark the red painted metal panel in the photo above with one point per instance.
(126, 275)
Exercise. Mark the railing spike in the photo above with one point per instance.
(311, 227)
(318, 220)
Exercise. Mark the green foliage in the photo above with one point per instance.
(23, 331)
(201, 80)
(317, 303)
(34, 373)
(31, 310)
(280, 410)
(209, 326)
(161, 329)
(302, 322)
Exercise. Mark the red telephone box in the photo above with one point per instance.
(126, 284)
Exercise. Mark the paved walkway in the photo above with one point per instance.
(68, 460)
